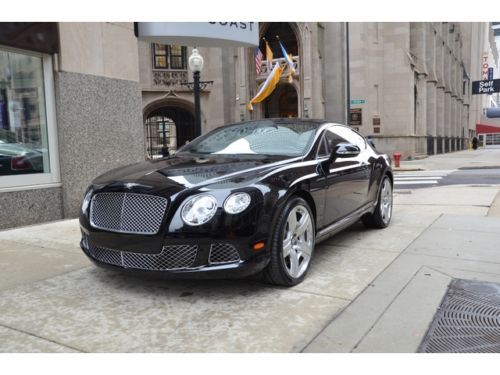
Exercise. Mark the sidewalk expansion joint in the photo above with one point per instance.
(369, 285)
(441, 204)
(453, 257)
(386, 308)
(41, 337)
(321, 295)
(443, 269)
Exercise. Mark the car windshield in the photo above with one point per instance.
(265, 137)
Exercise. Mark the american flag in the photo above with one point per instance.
(258, 60)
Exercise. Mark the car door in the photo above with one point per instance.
(347, 182)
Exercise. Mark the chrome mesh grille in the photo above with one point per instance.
(171, 257)
(223, 253)
(127, 212)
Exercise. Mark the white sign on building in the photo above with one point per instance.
(200, 34)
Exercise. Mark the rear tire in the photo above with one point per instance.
(381, 216)
(292, 244)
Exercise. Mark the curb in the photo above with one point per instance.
(480, 167)
(407, 169)
(494, 210)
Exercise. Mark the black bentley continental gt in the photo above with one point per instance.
(242, 199)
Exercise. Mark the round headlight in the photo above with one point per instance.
(199, 209)
(237, 203)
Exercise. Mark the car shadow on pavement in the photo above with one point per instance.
(177, 288)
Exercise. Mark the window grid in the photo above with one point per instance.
(169, 56)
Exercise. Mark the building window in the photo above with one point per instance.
(169, 56)
(28, 138)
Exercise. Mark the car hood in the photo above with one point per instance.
(179, 172)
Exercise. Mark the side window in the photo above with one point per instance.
(329, 141)
(350, 136)
(322, 149)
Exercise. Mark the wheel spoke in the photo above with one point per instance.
(287, 247)
(292, 221)
(305, 249)
(294, 264)
(303, 224)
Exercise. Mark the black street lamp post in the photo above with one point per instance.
(197, 109)
(196, 65)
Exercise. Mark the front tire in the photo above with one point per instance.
(381, 216)
(292, 244)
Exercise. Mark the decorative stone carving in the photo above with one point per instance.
(169, 78)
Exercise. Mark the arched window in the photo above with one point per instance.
(166, 129)
(286, 35)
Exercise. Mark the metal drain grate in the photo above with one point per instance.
(468, 320)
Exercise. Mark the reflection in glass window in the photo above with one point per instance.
(257, 138)
(23, 120)
(350, 136)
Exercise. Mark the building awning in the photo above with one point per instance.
(487, 129)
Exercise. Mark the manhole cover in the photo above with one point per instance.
(468, 320)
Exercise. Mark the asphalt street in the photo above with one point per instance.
(463, 176)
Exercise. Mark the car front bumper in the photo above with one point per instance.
(186, 258)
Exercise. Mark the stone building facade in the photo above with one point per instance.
(70, 107)
(78, 99)
(410, 83)
(315, 92)
(416, 78)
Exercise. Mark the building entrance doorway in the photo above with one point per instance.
(167, 129)
(283, 102)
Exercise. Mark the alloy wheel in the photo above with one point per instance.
(298, 241)
(386, 201)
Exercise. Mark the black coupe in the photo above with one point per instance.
(244, 198)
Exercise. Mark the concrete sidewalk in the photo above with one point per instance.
(393, 313)
(367, 290)
(480, 158)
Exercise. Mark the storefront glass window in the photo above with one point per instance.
(23, 119)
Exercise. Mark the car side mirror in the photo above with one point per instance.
(344, 150)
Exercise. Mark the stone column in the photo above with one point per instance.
(447, 99)
(431, 87)
(334, 74)
(453, 93)
(421, 115)
(306, 71)
(440, 87)
(418, 31)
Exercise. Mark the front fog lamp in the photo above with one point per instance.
(237, 203)
(199, 209)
